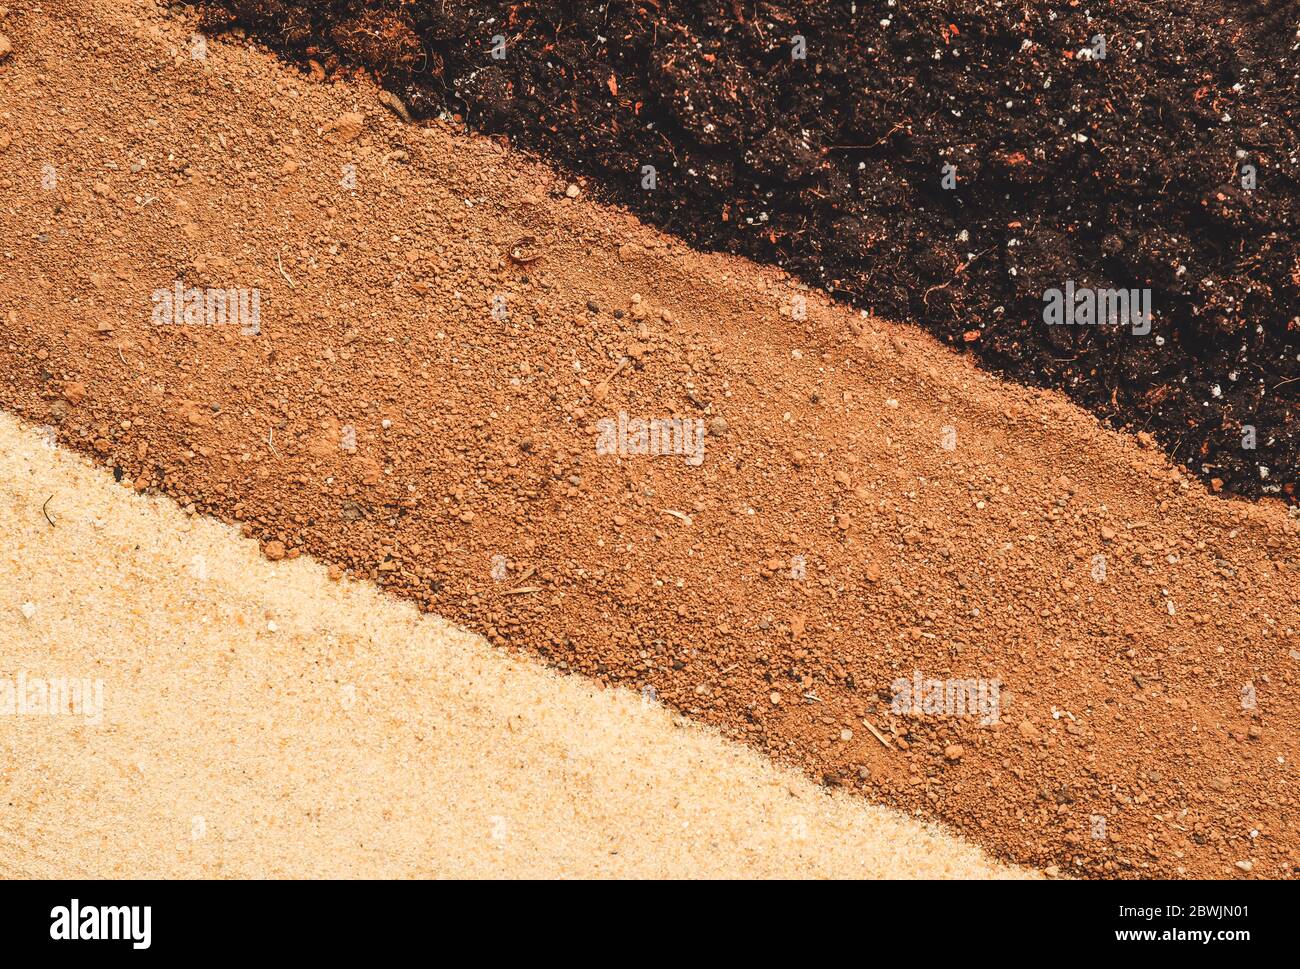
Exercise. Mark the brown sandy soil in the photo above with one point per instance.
(1160, 699)
(258, 719)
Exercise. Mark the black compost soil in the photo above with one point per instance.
(1171, 163)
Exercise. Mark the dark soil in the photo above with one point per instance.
(1123, 172)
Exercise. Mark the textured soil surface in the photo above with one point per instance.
(420, 408)
(1172, 163)
(261, 721)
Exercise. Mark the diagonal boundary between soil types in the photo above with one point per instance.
(310, 728)
(972, 169)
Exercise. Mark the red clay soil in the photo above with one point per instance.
(1114, 143)
(946, 522)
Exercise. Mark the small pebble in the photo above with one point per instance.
(29, 610)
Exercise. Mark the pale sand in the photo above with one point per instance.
(357, 738)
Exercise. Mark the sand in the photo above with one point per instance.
(260, 720)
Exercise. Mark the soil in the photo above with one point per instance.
(383, 744)
(1123, 171)
(444, 323)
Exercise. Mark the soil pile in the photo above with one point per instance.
(944, 161)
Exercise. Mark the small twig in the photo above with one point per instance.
(522, 591)
(876, 733)
(280, 262)
(897, 127)
(271, 441)
(46, 513)
(1285, 382)
(961, 268)
(678, 514)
